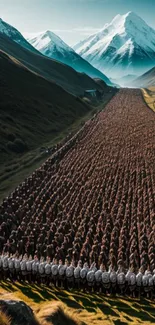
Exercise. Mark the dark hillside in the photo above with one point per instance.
(72, 81)
(32, 109)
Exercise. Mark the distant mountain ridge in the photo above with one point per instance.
(15, 35)
(55, 48)
(63, 75)
(125, 46)
(146, 80)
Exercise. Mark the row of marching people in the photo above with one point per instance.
(81, 277)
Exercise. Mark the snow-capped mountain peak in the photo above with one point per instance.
(14, 34)
(122, 44)
(51, 45)
(48, 41)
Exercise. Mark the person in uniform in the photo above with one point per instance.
(41, 271)
(121, 280)
(83, 275)
(113, 280)
(70, 275)
(62, 274)
(149, 288)
(77, 271)
(106, 281)
(145, 283)
(48, 271)
(29, 263)
(91, 277)
(5, 266)
(23, 268)
(35, 266)
(98, 279)
(17, 267)
(55, 273)
(131, 282)
(11, 268)
(139, 277)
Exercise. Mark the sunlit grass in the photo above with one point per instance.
(4, 319)
(81, 308)
(149, 97)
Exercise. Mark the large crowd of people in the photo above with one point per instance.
(91, 201)
(81, 276)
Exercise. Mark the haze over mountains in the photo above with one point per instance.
(123, 50)
(146, 80)
(126, 46)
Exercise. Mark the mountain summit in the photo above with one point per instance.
(55, 48)
(125, 46)
(49, 44)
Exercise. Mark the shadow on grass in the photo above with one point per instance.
(119, 322)
(7, 286)
(142, 310)
(107, 310)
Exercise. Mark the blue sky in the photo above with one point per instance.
(72, 20)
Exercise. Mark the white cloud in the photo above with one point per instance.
(81, 31)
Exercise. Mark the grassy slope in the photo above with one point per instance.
(149, 97)
(92, 309)
(146, 80)
(37, 111)
(62, 74)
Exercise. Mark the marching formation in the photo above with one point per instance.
(91, 202)
(81, 277)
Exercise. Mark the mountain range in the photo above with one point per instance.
(126, 46)
(40, 97)
(55, 48)
(145, 80)
(122, 50)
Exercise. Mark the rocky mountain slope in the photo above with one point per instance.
(63, 75)
(52, 46)
(15, 35)
(125, 46)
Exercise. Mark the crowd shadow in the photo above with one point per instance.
(142, 310)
